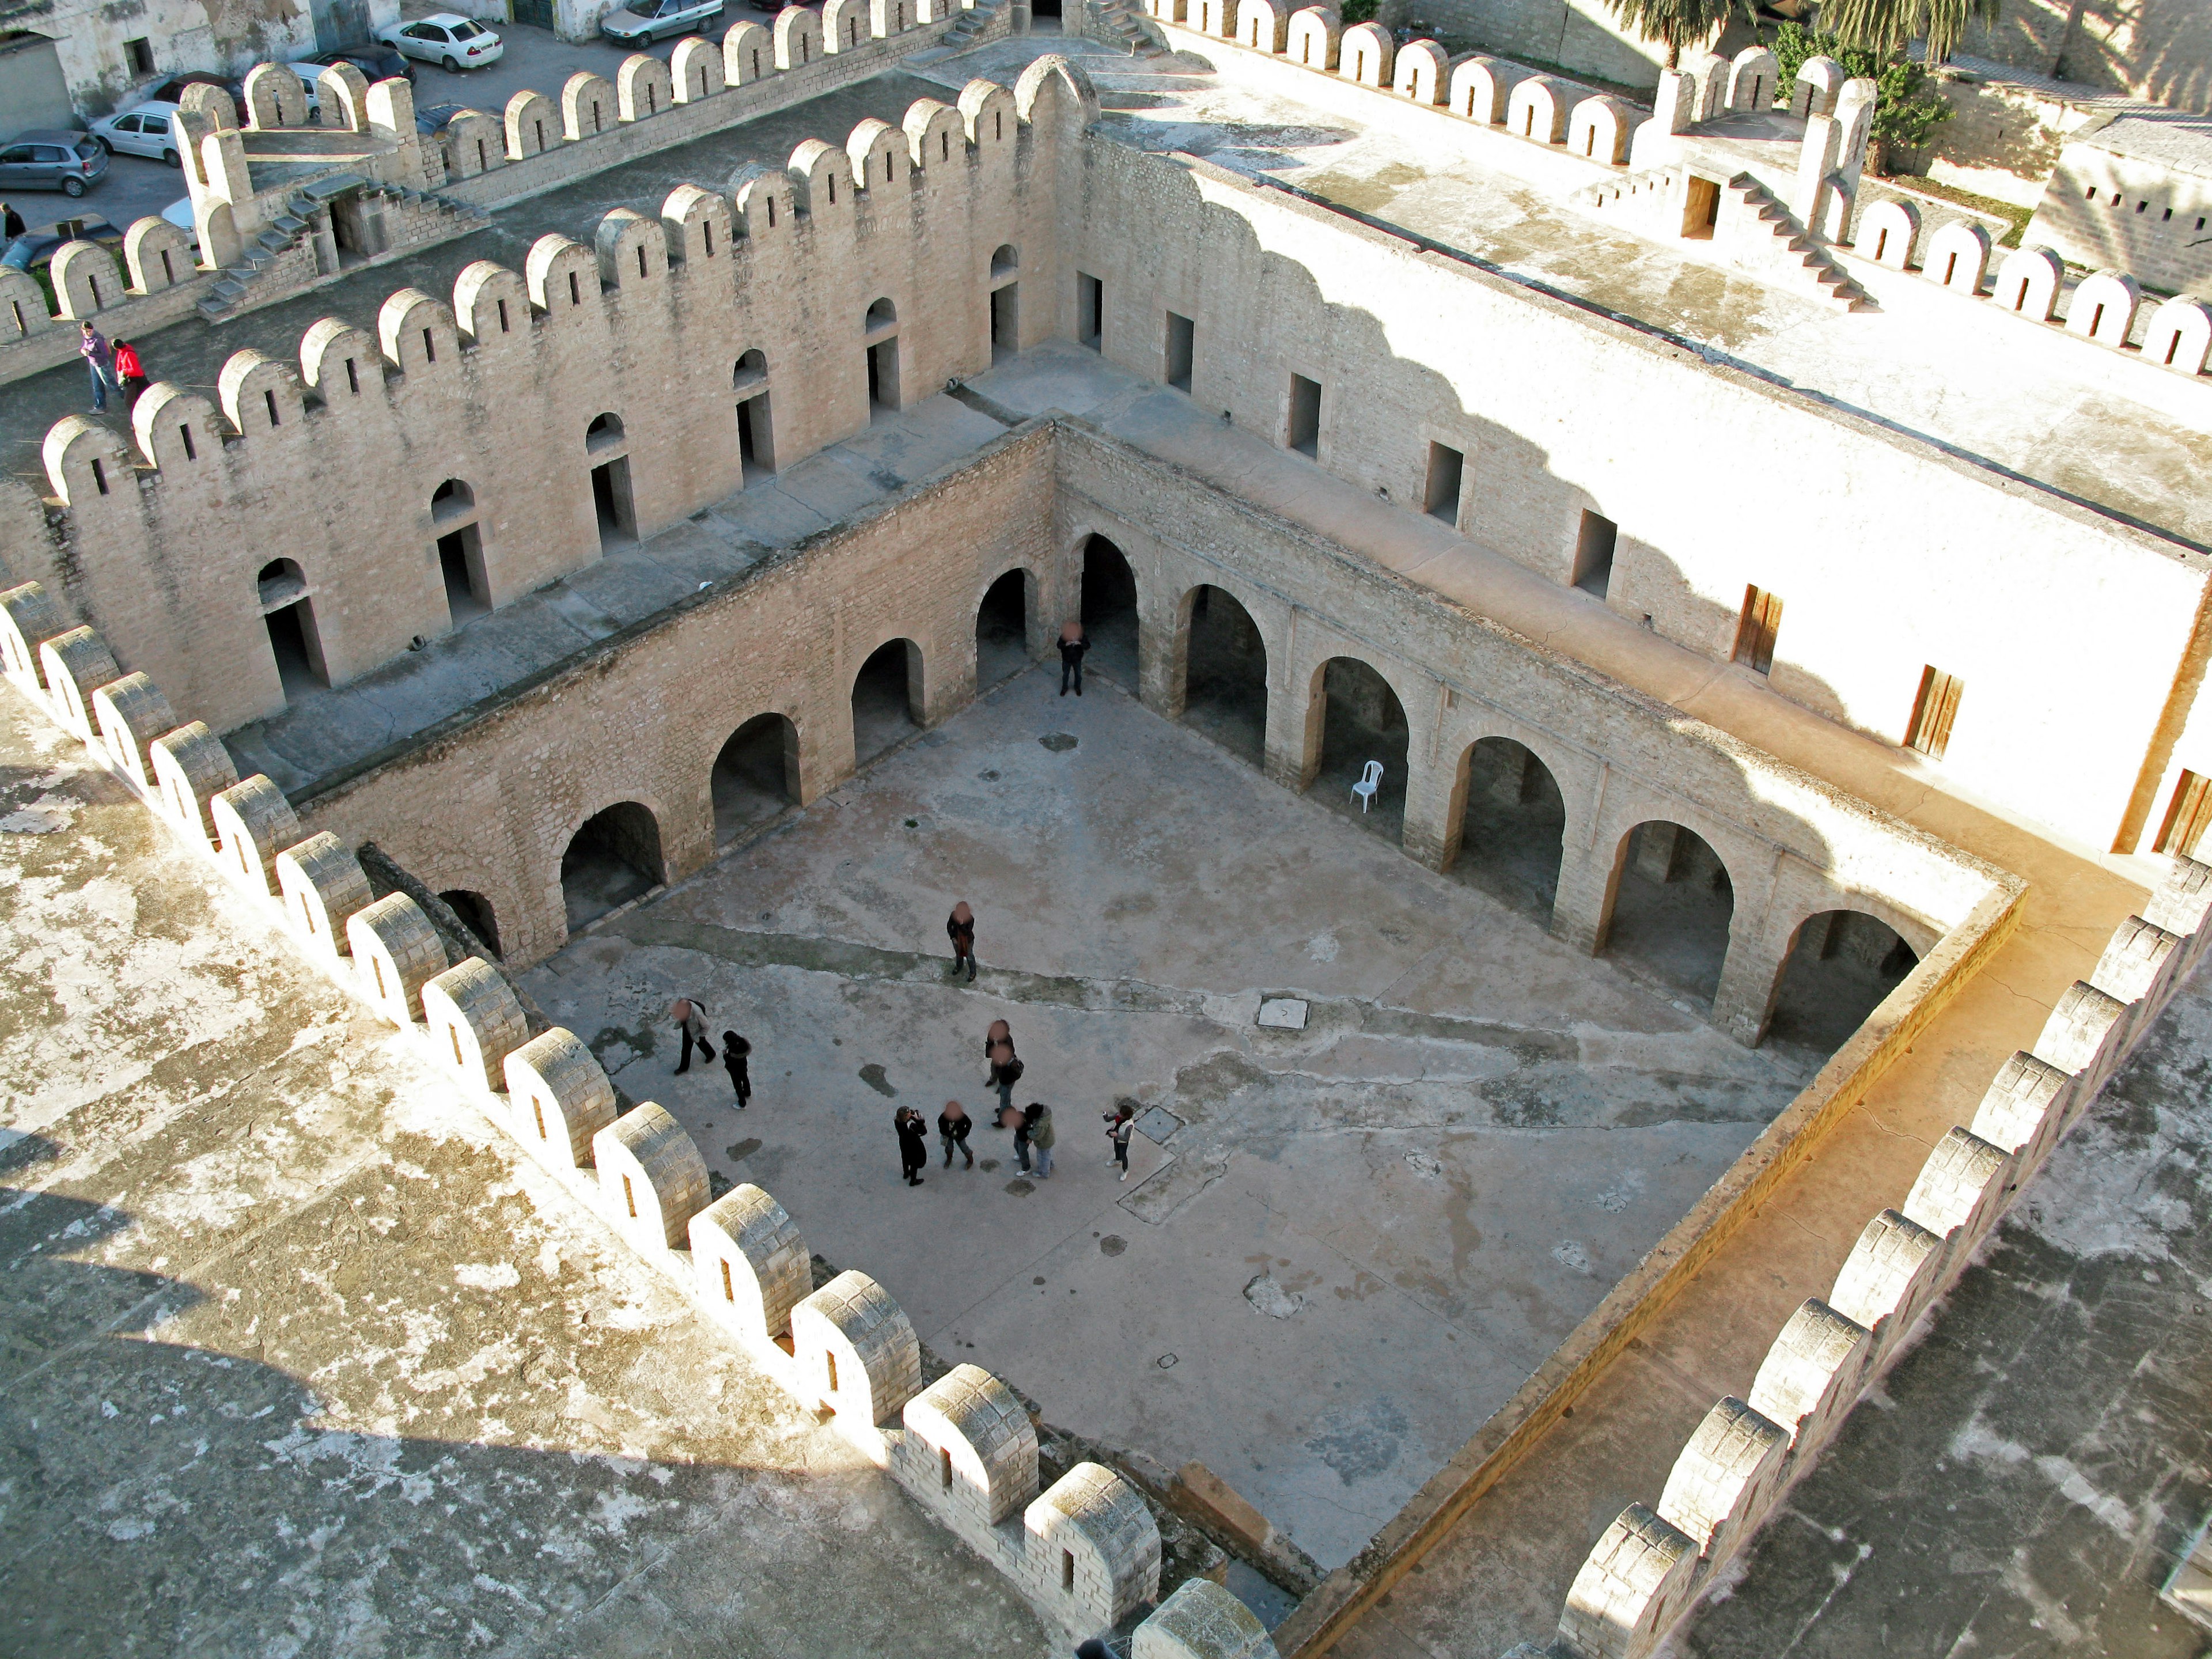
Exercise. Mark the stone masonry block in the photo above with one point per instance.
(75, 665)
(1201, 1621)
(1890, 1277)
(475, 1022)
(1960, 1189)
(2083, 1033)
(1811, 1375)
(652, 1178)
(254, 823)
(1092, 1554)
(1726, 1478)
(858, 1347)
(2134, 963)
(323, 884)
(190, 769)
(2027, 1108)
(131, 713)
(29, 618)
(753, 1265)
(2182, 899)
(558, 1098)
(1634, 1585)
(396, 952)
(969, 1454)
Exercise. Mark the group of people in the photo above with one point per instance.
(690, 1017)
(115, 368)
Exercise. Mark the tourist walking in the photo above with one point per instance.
(129, 373)
(92, 346)
(960, 928)
(11, 222)
(1006, 1072)
(953, 1124)
(914, 1145)
(735, 1049)
(1074, 642)
(691, 1022)
(1119, 1123)
(1038, 1122)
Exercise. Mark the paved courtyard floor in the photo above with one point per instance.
(1343, 1247)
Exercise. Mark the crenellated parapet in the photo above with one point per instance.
(625, 361)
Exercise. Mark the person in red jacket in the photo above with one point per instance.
(130, 375)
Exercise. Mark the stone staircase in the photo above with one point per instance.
(415, 217)
(1118, 22)
(1785, 252)
(967, 31)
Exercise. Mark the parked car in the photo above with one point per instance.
(36, 249)
(643, 22)
(431, 119)
(447, 38)
(171, 90)
(311, 81)
(52, 159)
(179, 214)
(376, 62)
(141, 130)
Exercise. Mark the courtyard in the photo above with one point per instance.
(1339, 1249)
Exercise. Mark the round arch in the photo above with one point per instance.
(755, 777)
(1355, 721)
(1006, 615)
(1509, 818)
(604, 432)
(1109, 601)
(888, 698)
(1224, 670)
(1672, 908)
(476, 914)
(1841, 964)
(613, 857)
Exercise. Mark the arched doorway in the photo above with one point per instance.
(1002, 637)
(606, 445)
(460, 551)
(1225, 673)
(887, 701)
(1110, 611)
(294, 640)
(756, 777)
(1672, 909)
(1510, 833)
(1362, 720)
(476, 914)
(1841, 965)
(612, 859)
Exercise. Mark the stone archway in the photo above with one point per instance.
(1110, 611)
(613, 858)
(1841, 964)
(1361, 721)
(1672, 910)
(1225, 672)
(1512, 828)
(756, 776)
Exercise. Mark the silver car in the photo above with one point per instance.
(446, 39)
(642, 22)
(51, 159)
(143, 130)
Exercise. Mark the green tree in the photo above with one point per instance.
(1886, 27)
(1674, 23)
(1907, 108)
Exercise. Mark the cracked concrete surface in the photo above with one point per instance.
(1476, 1134)
(295, 1359)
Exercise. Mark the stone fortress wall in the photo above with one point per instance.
(495, 392)
(1085, 1551)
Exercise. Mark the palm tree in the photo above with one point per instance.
(1883, 27)
(1673, 23)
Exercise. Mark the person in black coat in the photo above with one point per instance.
(735, 1048)
(960, 928)
(914, 1145)
(953, 1124)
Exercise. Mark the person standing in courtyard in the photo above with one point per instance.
(914, 1145)
(1119, 1123)
(1021, 1127)
(92, 346)
(960, 928)
(953, 1124)
(1037, 1120)
(1006, 1072)
(691, 1022)
(735, 1051)
(11, 223)
(1074, 642)
(1000, 1032)
(130, 373)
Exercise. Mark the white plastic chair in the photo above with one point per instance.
(1370, 778)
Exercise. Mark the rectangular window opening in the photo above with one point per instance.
(1933, 711)
(2186, 815)
(268, 397)
(453, 1036)
(830, 1362)
(191, 452)
(139, 56)
(1067, 1571)
(1595, 542)
(1090, 311)
(1440, 497)
(376, 967)
(944, 1467)
(729, 1291)
(537, 1111)
(1755, 628)
(503, 316)
(1182, 344)
(630, 1198)
(353, 378)
(1304, 432)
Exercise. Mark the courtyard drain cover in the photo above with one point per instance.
(1284, 1014)
(1157, 1123)
(1059, 742)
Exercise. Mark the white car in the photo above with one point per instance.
(447, 38)
(140, 131)
(311, 80)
